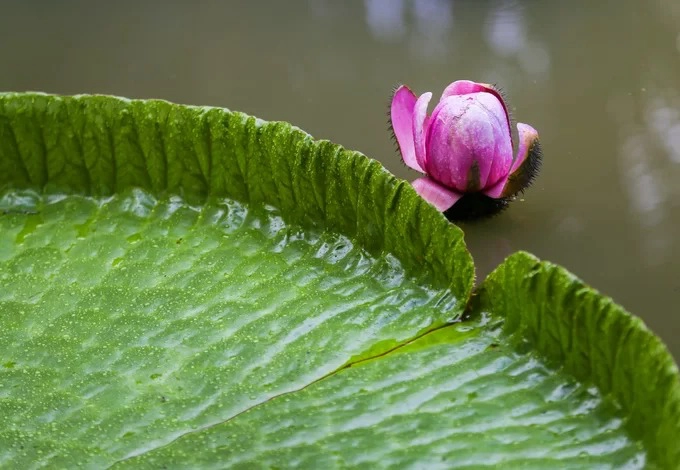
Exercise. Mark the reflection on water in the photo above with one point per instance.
(507, 35)
(601, 84)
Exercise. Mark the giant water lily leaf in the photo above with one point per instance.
(186, 286)
(545, 373)
(589, 337)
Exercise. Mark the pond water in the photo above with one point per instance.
(600, 82)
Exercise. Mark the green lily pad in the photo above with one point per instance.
(193, 287)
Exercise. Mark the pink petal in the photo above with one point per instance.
(401, 115)
(465, 87)
(439, 196)
(524, 167)
(468, 146)
(420, 124)
(499, 167)
(496, 190)
(527, 136)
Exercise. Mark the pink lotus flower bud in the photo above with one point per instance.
(464, 148)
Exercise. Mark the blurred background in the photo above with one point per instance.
(599, 80)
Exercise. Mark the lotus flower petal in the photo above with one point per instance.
(527, 163)
(468, 146)
(421, 122)
(439, 196)
(401, 117)
(465, 87)
(528, 138)
(524, 167)
(496, 190)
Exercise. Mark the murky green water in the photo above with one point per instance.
(599, 80)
